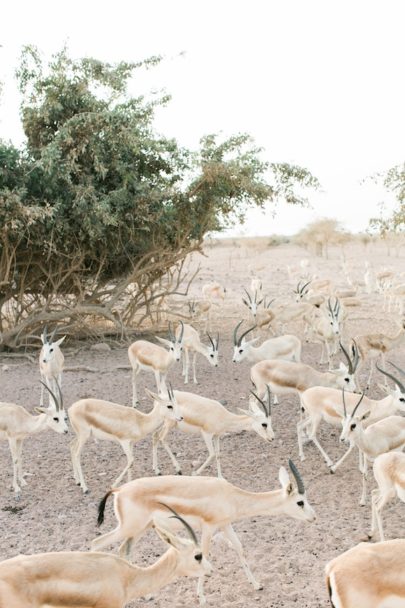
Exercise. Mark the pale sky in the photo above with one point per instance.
(315, 82)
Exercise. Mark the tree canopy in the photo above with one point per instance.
(97, 200)
(394, 181)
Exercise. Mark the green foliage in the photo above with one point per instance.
(97, 194)
(394, 181)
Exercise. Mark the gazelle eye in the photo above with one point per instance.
(212, 356)
(170, 407)
(347, 379)
(198, 557)
(300, 503)
(56, 419)
(241, 351)
(352, 427)
(51, 350)
(402, 399)
(264, 425)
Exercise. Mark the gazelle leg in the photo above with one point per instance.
(73, 449)
(135, 372)
(77, 465)
(209, 443)
(158, 380)
(206, 536)
(20, 469)
(127, 447)
(374, 497)
(231, 535)
(342, 459)
(41, 399)
(187, 360)
(217, 455)
(300, 430)
(364, 479)
(194, 370)
(380, 502)
(14, 455)
(160, 436)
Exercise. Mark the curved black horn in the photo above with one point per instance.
(181, 332)
(358, 403)
(344, 402)
(170, 392)
(45, 334)
(187, 526)
(297, 476)
(248, 294)
(217, 340)
(268, 399)
(171, 336)
(53, 335)
(397, 382)
(262, 403)
(356, 356)
(303, 287)
(245, 334)
(211, 340)
(235, 333)
(55, 400)
(396, 367)
(348, 359)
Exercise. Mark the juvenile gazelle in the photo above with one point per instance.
(386, 435)
(286, 377)
(212, 421)
(368, 576)
(113, 422)
(286, 347)
(210, 504)
(192, 342)
(328, 404)
(16, 424)
(389, 473)
(97, 580)
(144, 355)
(51, 361)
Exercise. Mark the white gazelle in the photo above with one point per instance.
(287, 348)
(210, 504)
(192, 343)
(51, 362)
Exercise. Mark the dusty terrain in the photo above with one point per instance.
(288, 556)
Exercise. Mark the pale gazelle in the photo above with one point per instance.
(368, 576)
(252, 303)
(144, 355)
(328, 404)
(301, 290)
(98, 580)
(212, 294)
(112, 422)
(286, 347)
(389, 473)
(386, 435)
(16, 424)
(51, 361)
(374, 345)
(212, 420)
(286, 377)
(192, 342)
(256, 285)
(210, 504)
(326, 329)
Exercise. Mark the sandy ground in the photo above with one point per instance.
(288, 556)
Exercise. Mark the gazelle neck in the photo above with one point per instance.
(37, 423)
(250, 504)
(144, 580)
(151, 421)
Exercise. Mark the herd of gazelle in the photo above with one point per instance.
(212, 504)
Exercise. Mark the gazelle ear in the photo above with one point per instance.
(42, 339)
(245, 412)
(285, 481)
(245, 302)
(365, 415)
(40, 410)
(343, 367)
(163, 341)
(59, 342)
(383, 388)
(153, 396)
(253, 340)
(171, 539)
(254, 408)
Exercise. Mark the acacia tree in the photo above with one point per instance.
(394, 181)
(97, 207)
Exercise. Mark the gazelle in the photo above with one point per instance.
(113, 422)
(144, 355)
(286, 377)
(389, 473)
(374, 345)
(212, 421)
(16, 424)
(368, 576)
(252, 303)
(256, 285)
(326, 329)
(97, 580)
(386, 435)
(210, 504)
(213, 290)
(329, 404)
(192, 342)
(51, 361)
(286, 347)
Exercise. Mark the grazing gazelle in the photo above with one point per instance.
(286, 347)
(113, 422)
(389, 473)
(212, 421)
(16, 424)
(209, 503)
(97, 580)
(286, 377)
(192, 342)
(51, 361)
(144, 355)
(368, 576)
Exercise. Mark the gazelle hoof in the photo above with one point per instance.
(86, 491)
(332, 470)
(179, 473)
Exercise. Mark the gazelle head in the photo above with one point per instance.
(192, 309)
(260, 413)
(169, 407)
(49, 347)
(345, 373)
(398, 393)
(296, 504)
(301, 291)
(212, 352)
(174, 343)
(252, 303)
(56, 416)
(241, 346)
(190, 558)
(351, 422)
(333, 315)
